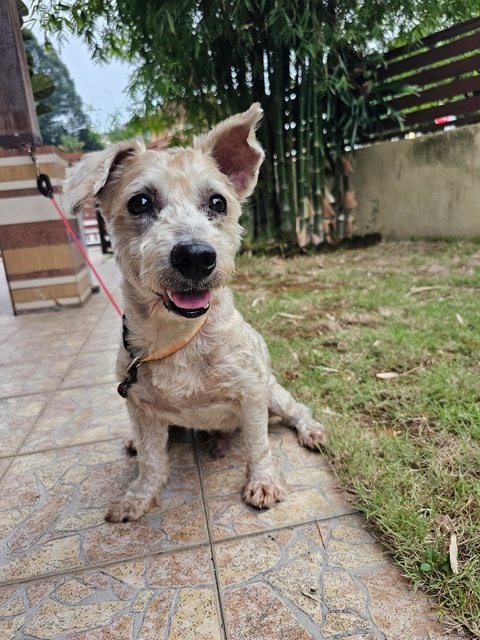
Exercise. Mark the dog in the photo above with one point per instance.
(188, 358)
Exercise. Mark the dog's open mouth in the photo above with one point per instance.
(189, 304)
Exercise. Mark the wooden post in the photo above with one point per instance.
(44, 269)
(18, 118)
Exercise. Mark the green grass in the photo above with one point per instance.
(408, 448)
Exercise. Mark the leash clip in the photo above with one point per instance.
(134, 363)
(131, 378)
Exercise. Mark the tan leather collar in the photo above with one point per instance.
(176, 346)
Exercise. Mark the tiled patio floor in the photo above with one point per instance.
(204, 565)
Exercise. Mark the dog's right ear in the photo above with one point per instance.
(86, 178)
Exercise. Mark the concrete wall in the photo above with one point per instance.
(428, 187)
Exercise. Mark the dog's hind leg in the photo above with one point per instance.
(295, 415)
(150, 441)
(130, 446)
(219, 444)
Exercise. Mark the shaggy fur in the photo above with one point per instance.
(221, 380)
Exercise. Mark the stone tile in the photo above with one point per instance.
(348, 556)
(343, 623)
(59, 323)
(17, 416)
(240, 560)
(341, 591)
(105, 336)
(91, 369)
(33, 376)
(255, 611)
(196, 617)
(350, 546)
(299, 581)
(271, 583)
(37, 347)
(295, 578)
(8, 329)
(77, 416)
(398, 611)
(146, 599)
(313, 492)
(52, 505)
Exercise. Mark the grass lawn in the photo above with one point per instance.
(407, 446)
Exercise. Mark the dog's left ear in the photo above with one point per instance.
(88, 177)
(235, 149)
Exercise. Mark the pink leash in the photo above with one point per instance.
(45, 187)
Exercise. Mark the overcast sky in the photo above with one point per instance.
(101, 87)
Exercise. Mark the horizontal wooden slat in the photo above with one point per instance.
(460, 107)
(444, 91)
(451, 32)
(450, 50)
(430, 127)
(444, 72)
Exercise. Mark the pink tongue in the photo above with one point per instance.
(196, 300)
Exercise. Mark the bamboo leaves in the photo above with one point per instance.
(306, 61)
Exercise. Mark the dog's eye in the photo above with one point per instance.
(217, 203)
(140, 204)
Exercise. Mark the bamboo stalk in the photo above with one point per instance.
(290, 85)
(318, 173)
(301, 159)
(278, 108)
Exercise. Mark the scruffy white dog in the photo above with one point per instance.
(188, 358)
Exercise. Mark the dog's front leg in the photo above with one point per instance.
(264, 485)
(150, 436)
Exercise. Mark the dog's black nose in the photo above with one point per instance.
(194, 261)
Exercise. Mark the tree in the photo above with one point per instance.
(312, 64)
(91, 140)
(66, 116)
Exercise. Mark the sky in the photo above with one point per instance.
(102, 87)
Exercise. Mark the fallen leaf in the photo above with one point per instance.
(445, 523)
(387, 375)
(415, 290)
(289, 316)
(290, 375)
(386, 313)
(339, 345)
(453, 553)
(310, 595)
(326, 369)
(364, 319)
(256, 301)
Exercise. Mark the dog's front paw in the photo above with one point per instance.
(264, 493)
(128, 508)
(312, 435)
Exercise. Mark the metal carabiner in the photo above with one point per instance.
(44, 185)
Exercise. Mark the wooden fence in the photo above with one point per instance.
(444, 71)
